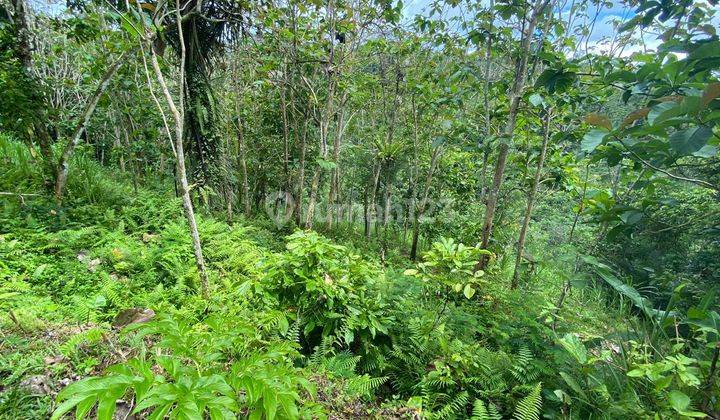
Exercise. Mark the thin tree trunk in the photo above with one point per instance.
(423, 203)
(177, 113)
(514, 96)
(370, 209)
(333, 196)
(326, 118)
(241, 152)
(387, 201)
(486, 100)
(300, 187)
(286, 129)
(313, 198)
(243, 170)
(531, 201)
(63, 165)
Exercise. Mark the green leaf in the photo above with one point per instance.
(326, 164)
(68, 405)
(536, 99)
(283, 325)
(592, 140)
(678, 400)
(573, 384)
(690, 140)
(706, 151)
(575, 347)
(469, 291)
(631, 217)
(664, 111)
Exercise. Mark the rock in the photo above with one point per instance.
(83, 255)
(147, 237)
(93, 265)
(132, 316)
(53, 360)
(37, 384)
(123, 411)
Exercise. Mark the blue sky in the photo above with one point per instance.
(603, 28)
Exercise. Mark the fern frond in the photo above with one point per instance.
(479, 411)
(485, 412)
(521, 362)
(529, 407)
(91, 336)
(453, 408)
(365, 385)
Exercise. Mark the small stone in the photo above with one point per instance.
(132, 316)
(123, 410)
(38, 384)
(52, 360)
(93, 265)
(147, 237)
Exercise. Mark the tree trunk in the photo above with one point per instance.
(531, 201)
(333, 195)
(313, 197)
(386, 201)
(370, 210)
(177, 112)
(486, 100)
(325, 119)
(300, 187)
(243, 171)
(514, 96)
(286, 130)
(63, 165)
(39, 118)
(423, 203)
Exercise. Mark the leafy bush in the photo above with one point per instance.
(330, 290)
(194, 370)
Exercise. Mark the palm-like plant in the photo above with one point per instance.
(208, 27)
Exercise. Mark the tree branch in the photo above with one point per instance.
(695, 181)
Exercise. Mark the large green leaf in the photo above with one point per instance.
(575, 347)
(690, 140)
(592, 139)
(664, 111)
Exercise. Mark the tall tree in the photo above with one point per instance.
(529, 18)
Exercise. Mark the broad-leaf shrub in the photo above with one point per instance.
(330, 290)
(194, 371)
(450, 265)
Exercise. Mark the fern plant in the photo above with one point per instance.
(482, 411)
(529, 407)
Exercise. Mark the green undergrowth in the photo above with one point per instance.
(296, 326)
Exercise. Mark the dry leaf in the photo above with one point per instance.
(711, 92)
(634, 116)
(599, 121)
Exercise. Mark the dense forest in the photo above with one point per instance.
(342, 209)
